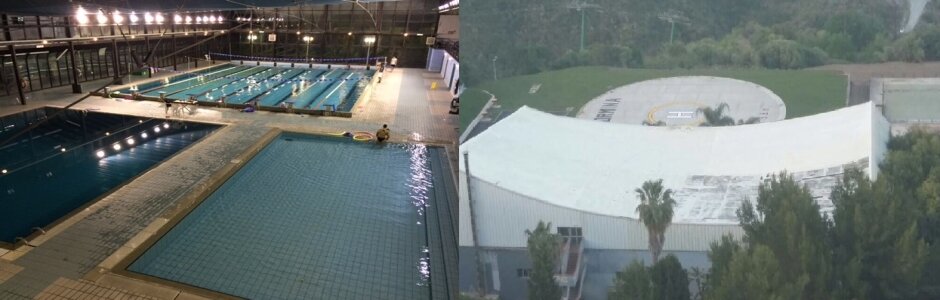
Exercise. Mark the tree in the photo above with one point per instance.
(875, 260)
(543, 250)
(665, 280)
(670, 280)
(658, 123)
(782, 54)
(656, 211)
(930, 36)
(753, 275)
(786, 220)
(909, 48)
(882, 241)
(720, 255)
(633, 283)
(716, 116)
(860, 29)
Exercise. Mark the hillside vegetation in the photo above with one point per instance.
(533, 36)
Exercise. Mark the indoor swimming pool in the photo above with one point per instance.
(315, 217)
(315, 89)
(74, 158)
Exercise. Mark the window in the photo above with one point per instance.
(569, 231)
(523, 273)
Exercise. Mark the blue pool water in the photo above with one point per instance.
(303, 88)
(44, 183)
(315, 218)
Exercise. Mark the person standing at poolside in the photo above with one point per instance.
(383, 134)
(393, 63)
(167, 104)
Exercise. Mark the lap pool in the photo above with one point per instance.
(74, 158)
(301, 89)
(312, 217)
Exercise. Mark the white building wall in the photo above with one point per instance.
(880, 134)
(504, 216)
(466, 236)
(448, 27)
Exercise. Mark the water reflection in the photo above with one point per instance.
(420, 185)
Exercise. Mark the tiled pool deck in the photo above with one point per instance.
(73, 260)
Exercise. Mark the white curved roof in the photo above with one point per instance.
(595, 166)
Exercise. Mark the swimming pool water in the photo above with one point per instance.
(303, 88)
(39, 192)
(313, 218)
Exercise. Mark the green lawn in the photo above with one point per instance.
(804, 92)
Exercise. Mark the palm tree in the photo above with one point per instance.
(716, 116)
(656, 211)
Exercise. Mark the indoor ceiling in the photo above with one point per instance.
(65, 7)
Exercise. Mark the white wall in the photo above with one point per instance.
(449, 27)
(503, 216)
(880, 134)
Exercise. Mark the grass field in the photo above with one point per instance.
(804, 92)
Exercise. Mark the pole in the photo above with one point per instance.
(582, 30)
(672, 29)
(494, 67)
(114, 60)
(76, 87)
(307, 52)
(16, 75)
(368, 51)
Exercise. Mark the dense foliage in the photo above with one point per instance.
(881, 242)
(665, 280)
(532, 36)
(543, 250)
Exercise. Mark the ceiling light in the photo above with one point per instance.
(102, 19)
(81, 16)
(118, 19)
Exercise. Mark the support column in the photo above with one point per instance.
(16, 75)
(76, 87)
(115, 62)
(173, 29)
(148, 58)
